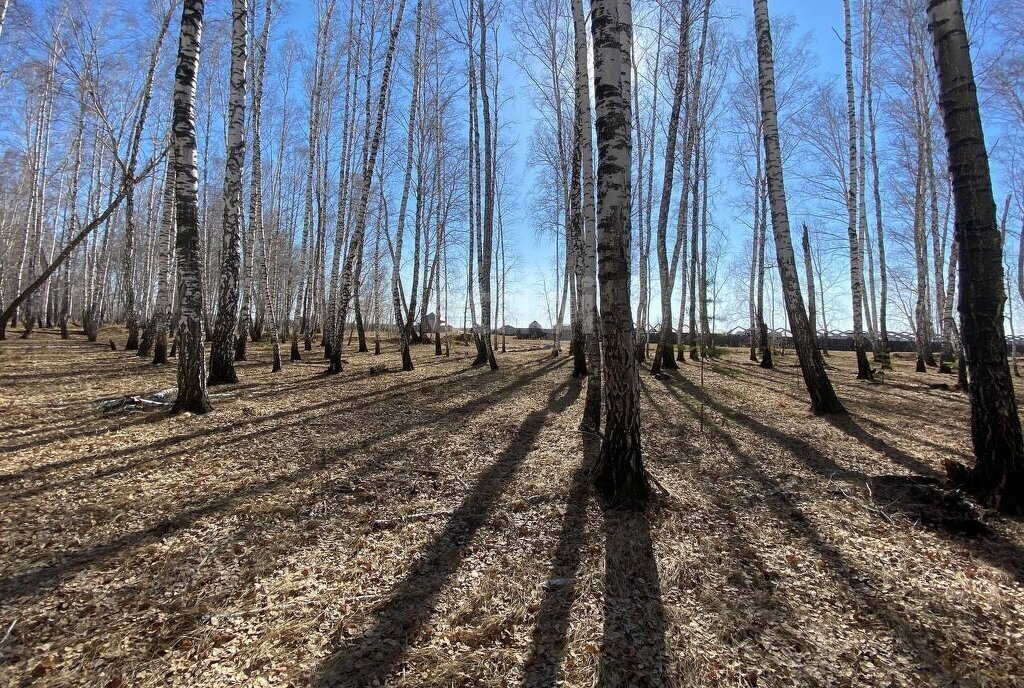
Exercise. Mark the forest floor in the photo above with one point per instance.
(437, 528)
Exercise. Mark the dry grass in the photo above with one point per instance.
(270, 543)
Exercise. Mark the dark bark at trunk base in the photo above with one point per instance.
(767, 361)
(619, 475)
(160, 352)
(132, 344)
(481, 351)
(295, 355)
(437, 344)
(222, 363)
(998, 482)
(30, 324)
(335, 367)
(277, 359)
(241, 348)
(863, 365)
(920, 364)
(579, 356)
(407, 359)
(146, 343)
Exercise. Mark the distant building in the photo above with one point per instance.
(429, 325)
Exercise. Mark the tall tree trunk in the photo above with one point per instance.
(883, 296)
(402, 316)
(222, 346)
(767, 358)
(666, 272)
(487, 229)
(812, 315)
(356, 240)
(856, 264)
(619, 474)
(192, 396)
(131, 314)
(162, 311)
(591, 320)
(819, 387)
(998, 475)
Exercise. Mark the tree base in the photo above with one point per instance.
(921, 368)
(864, 371)
(619, 475)
(1002, 490)
(241, 349)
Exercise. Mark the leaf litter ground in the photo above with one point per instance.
(437, 528)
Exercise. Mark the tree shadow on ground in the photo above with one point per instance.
(351, 400)
(374, 654)
(855, 584)
(947, 515)
(549, 639)
(61, 565)
(633, 645)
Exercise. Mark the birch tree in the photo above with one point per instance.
(620, 475)
(192, 396)
(222, 345)
(856, 259)
(998, 474)
(819, 387)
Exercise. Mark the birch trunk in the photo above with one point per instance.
(998, 475)
(222, 346)
(402, 317)
(663, 354)
(192, 396)
(487, 229)
(591, 320)
(162, 312)
(883, 296)
(812, 315)
(131, 310)
(619, 474)
(356, 240)
(819, 387)
(856, 263)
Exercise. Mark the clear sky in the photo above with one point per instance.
(531, 284)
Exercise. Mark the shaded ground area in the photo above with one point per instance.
(437, 528)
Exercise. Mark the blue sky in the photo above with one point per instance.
(534, 276)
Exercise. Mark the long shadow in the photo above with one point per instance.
(104, 422)
(182, 623)
(372, 656)
(816, 461)
(547, 646)
(363, 400)
(861, 592)
(993, 547)
(32, 582)
(633, 643)
(849, 426)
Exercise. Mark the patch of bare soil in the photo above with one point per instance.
(437, 528)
